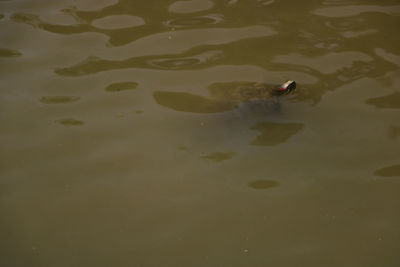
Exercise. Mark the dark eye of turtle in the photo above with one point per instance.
(292, 86)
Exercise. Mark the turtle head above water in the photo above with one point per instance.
(286, 88)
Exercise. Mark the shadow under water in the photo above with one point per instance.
(59, 99)
(273, 133)
(9, 53)
(219, 156)
(263, 184)
(389, 171)
(251, 102)
(70, 122)
(389, 101)
(121, 86)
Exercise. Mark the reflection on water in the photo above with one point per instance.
(389, 101)
(185, 63)
(121, 86)
(196, 21)
(346, 58)
(263, 184)
(358, 70)
(179, 155)
(118, 22)
(94, 5)
(389, 171)
(70, 122)
(273, 134)
(190, 6)
(352, 23)
(59, 99)
(328, 63)
(351, 34)
(350, 10)
(393, 58)
(182, 148)
(180, 42)
(174, 63)
(35, 21)
(140, 9)
(9, 53)
(219, 156)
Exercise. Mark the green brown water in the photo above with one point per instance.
(119, 149)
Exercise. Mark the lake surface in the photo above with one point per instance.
(118, 147)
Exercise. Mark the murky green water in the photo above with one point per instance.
(125, 143)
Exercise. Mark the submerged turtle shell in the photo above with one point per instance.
(222, 96)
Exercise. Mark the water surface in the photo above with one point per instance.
(125, 141)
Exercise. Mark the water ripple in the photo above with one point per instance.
(4, 52)
(197, 21)
(111, 26)
(232, 2)
(190, 6)
(356, 34)
(326, 64)
(118, 22)
(389, 171)
(59, 99)
(389, 101)
(70, 122)
(263, 184)
(184, 63)
(392, 58)
(347, 11)
(89, 5)
(35, 21)
(93, 65)
(345, 24)
(358, 70)
(121, 86)
(219, 156)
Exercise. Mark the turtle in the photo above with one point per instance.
(224, 96)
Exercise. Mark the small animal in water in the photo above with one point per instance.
(286, 88)
(245, 92)
(225, 96)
